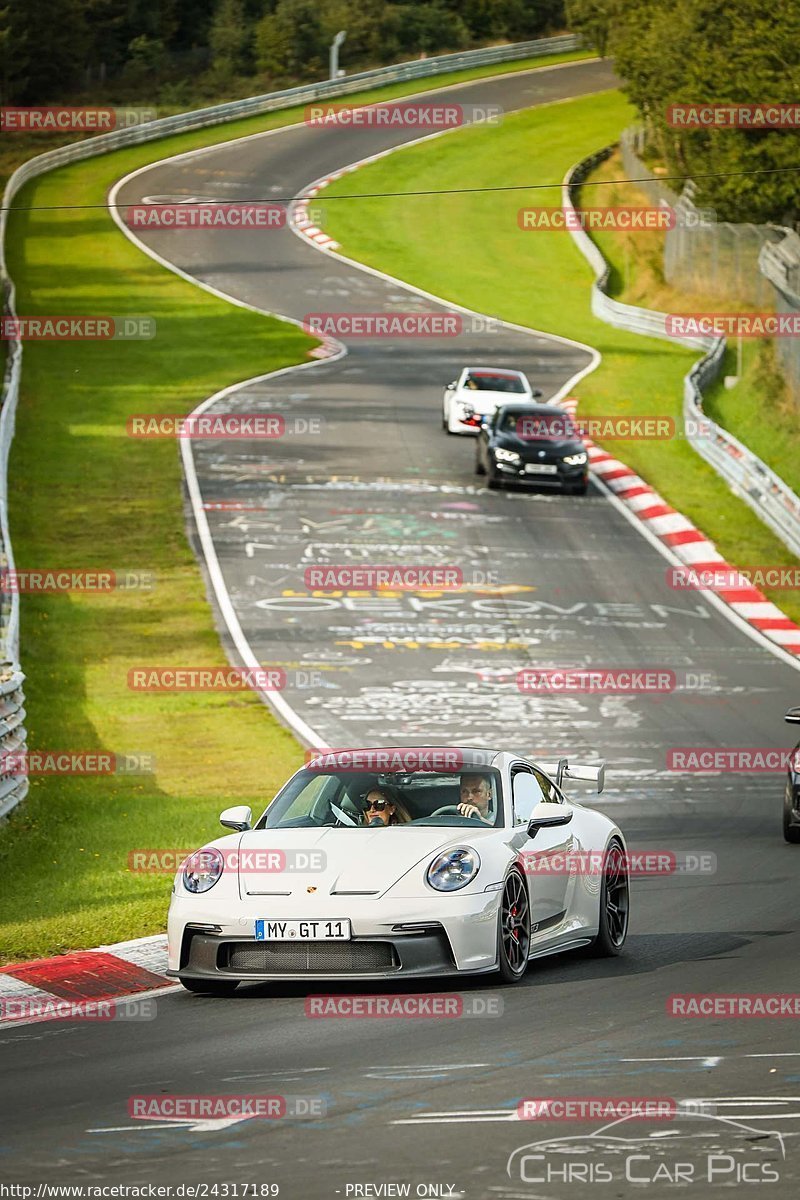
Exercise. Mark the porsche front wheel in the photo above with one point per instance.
(514, 930)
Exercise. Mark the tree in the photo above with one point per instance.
(51, 38)
(593, 19)
(230, 39)
(146, 58)
(290, 41)
(685, 52)
(13, 58)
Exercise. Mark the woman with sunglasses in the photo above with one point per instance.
(382, 810)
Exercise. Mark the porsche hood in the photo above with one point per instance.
(340, 862)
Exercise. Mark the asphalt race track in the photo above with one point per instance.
(552, 581)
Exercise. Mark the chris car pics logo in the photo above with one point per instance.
(695, 1148)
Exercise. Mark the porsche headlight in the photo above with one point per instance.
(454, 869)
(202, 870)
(575, 460)
(509, 456)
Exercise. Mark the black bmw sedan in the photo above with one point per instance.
(532, 443)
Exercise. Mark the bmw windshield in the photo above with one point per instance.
(535, 425)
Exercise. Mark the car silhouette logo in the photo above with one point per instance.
(616, 1142)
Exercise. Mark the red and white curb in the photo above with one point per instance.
(302, 222)
(303, 225)
(48, 989)
(689, 544)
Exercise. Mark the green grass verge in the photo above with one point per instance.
(84, 495)
(469, 249)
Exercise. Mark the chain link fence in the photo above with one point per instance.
(753, 265)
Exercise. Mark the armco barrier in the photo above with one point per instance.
(749, 478)
(14, 788)
(779, 264)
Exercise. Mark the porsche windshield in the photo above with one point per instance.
(361, 799)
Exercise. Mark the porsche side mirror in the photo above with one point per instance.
(240, 818)
(536, 393)
(546, 815)
(793, 716)
(526, 794)
(451, 387)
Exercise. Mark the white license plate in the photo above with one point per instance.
(541, 469)
(302, 931)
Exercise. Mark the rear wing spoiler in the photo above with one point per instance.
(562, 769)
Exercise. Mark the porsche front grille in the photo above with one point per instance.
(277, 958)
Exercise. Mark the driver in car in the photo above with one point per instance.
(476, 798)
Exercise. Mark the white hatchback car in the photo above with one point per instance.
(478, 392)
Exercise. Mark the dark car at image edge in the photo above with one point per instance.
(791, 796)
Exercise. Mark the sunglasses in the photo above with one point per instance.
(379, 804)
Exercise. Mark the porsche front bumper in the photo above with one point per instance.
(390, 941)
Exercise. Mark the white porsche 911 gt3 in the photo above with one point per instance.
(478, 392)
(384, 864)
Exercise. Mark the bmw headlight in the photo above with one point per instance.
(576, 460)
(509, 456)
(454, 869)
(202, 870)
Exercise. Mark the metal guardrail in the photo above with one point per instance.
(779, 264)
(14, 788)
(13, 783)
(747, 475)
